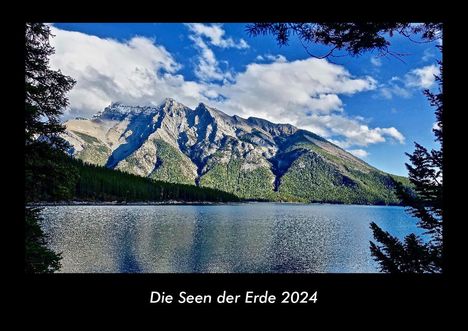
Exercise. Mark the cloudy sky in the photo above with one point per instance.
(370, 105)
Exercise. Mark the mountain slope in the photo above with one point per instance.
(252, 158)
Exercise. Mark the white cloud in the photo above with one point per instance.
(375, 61)
(395, 89)
(416, 79)
(392, 133)
(276, 58)
(208, 68)
(215, 34)
(422, 77)
(297, 87)
(305, 93)
(352, 131)
(428, 54)
(260, 58)
(359, 153)
(270, 57)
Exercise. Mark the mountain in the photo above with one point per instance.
(252, 158)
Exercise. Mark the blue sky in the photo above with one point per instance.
(370, 105)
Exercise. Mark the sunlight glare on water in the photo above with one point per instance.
(246, 238)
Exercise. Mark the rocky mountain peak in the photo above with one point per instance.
(272, 128)
(170, 103)
(173, 108)
(253, 158)
(118, 111)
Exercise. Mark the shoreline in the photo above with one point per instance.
(117, 203)
(189, 203)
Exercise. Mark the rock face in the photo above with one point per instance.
(252, 157)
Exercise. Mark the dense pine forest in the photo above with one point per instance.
(97, 183)
(88, 182)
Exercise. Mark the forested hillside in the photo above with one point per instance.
(95, 183)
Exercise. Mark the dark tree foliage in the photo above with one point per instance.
(395, 256)
(425, 173)
(47, 177)
(96, 183)
(40, 259)
(353, 38)
(45, 98)
(45, 89)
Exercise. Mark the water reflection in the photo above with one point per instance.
(260, 237)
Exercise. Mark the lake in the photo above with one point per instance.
(232, 238)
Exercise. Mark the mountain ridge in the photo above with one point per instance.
(252, 158)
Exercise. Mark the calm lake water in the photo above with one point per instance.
(252, 238)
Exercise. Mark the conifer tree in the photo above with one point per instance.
(425, 173)
(45, 173)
